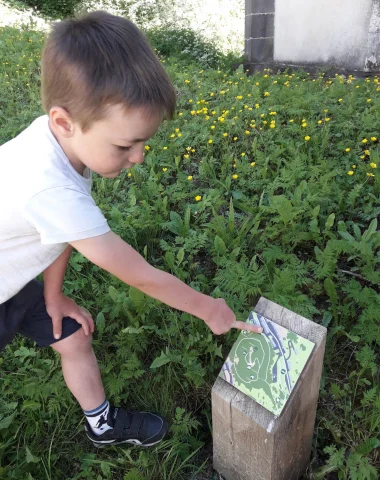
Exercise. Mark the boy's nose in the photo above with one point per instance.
(138, 157)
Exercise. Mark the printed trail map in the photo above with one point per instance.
(266, 366)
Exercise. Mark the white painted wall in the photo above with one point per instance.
(323, 31)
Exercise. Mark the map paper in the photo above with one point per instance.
(266, 366)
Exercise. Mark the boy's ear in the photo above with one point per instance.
(61, 121)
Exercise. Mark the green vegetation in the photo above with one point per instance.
(261, 186)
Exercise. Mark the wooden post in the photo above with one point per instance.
(251, 443)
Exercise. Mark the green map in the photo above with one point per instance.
(266, 366)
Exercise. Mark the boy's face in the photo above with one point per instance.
(113, 143)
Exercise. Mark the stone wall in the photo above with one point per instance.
(341, 34)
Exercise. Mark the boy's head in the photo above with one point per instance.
(105, 91)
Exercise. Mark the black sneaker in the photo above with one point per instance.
(138, 428)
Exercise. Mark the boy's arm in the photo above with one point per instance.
(57, 304)
(111, 253)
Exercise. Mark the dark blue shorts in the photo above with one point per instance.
(26, 313)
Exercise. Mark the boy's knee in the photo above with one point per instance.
(76, 343)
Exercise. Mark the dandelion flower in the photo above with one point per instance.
(190, 177)
(243, 154)
(373, 165)
(266, 94)
(210, 141)
(364, 140)
(225, 134)
(147, 147)
(253, 164)
(164, 169)
(350, 172)
(373, 139)
(307, 138)
(198, 198)
(186, 156)
(235, 176)
(348, 149)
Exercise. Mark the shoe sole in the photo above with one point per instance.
(135, 442)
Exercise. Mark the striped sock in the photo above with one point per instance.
(97, 418)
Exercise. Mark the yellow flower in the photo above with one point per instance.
(193, 150)
(350, 172)
(176, 130)
(370, 175)
(253, 164)
(165, 148)
(192, 112)
(364, 140)
(266, 94)
(188, 149)
(272, 125)
(319, 122)
(190, 101)
(353, 166)
(198, 198)
(243, 154)
(247, 132)
(340, 99)
(304, 125)
(369, 100)
(235, 176)
(291, 121)
(373, 139)
(210, 141)
(235, 138)
(326, 111)
(212, 127)
(225, 134)
(362, 156)
(373, 165)
(164, 169)
(348, 149)
(186, 156)
(327, 119)
(180, 114)
(172, 135)
(147, 147)
(307, 138)
(272, 113)
(239, 97)
(367, 152)
(257, 106)
(129, 174)
(190, 177)
(179, 135)
(257, 84)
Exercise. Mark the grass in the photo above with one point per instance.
(261, 186)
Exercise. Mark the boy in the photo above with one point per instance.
(105, 93)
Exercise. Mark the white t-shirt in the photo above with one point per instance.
(44, 203)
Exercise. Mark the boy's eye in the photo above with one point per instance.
(123, 149)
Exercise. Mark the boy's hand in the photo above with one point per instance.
(61, 306)
(221, 319)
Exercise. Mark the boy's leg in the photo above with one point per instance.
(81, 370)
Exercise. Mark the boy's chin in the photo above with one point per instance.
(111, 175)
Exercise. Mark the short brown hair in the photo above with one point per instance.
(97, 60)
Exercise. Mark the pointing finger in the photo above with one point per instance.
(248, 327)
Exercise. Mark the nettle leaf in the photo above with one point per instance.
(161, 360)
(5, 422)
(219, 245)
(330, 221)
(137, 296)
(367, 446)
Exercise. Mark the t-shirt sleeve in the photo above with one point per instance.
(64, 214)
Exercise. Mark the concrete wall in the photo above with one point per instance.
(338, 33)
